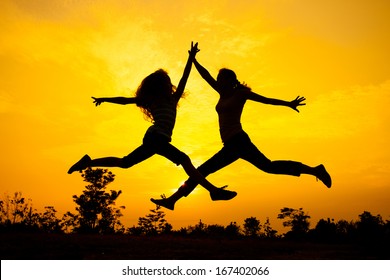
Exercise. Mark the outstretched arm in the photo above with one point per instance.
(115, 100)
(292, 104)
(206, 75)
(187, 69)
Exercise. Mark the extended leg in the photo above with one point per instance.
(138, 155)
(218, 161)
(286, 167)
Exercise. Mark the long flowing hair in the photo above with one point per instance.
(230, 76)
(156, 87)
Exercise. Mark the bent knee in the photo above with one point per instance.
(125, 162)
(265, 165)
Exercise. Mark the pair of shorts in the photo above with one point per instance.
(154, 143)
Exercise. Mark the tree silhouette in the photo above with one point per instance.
(48, 221)
(215, 231)
(16, 210)
(233, 230)
(346, 230)
(296, 219)
(97, 213)
(154, 223)
(369, 227)
(17, 214)
(325, 230)
(269, 232)
(198, 230)
(252, 227)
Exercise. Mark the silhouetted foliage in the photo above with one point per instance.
(97, 214)
(233, 230)
(16, 210)
(96, 211)
(152, 224)
(269, 232)
(17, 214)
(346, 230)
(48, 221)
(252, 227)
(215, 231)
(325, 231)
(370, 227)
(198, 230)
(297, 220)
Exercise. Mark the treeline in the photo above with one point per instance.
(97, 213)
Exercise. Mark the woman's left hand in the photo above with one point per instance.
(297, 102)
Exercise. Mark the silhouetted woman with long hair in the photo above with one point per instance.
(236, 143)
(157, 99)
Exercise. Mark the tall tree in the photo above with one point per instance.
(96, 211)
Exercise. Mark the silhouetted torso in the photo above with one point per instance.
(229, 109)
(164, 117)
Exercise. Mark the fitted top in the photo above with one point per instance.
(229, 109)
(164, 118)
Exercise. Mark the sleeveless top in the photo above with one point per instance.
(164, 118)
(229, 109)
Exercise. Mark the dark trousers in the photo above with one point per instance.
(240, 146)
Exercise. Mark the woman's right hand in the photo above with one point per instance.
(297, 102)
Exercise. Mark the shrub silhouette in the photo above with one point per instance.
(153, 223)
(18, 214)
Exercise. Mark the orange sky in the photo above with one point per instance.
(55, 55)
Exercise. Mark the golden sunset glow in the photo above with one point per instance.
(55, 55)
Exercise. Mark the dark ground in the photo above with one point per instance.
(123, 247)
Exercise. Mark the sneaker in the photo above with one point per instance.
(80, 165)
(324, 176)
(222, 194)
(164, 203)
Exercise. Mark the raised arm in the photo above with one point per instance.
(206, 75)
(115, 100)
(272, 101)
(187, 69)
